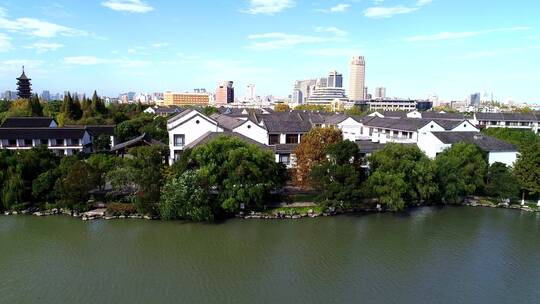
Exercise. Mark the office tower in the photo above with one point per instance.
(335, 80)
(180, 99)
(380, 93)
(475, 99)
(46, 96)
(357, 79)
(250, 92)
(303, 89)
(24, 87)
(225, 93)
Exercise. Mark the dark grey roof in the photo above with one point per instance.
(96, 130)
(209, 136)
(368, 147)
(449, 124)
(228, 122)
(41, 133)
(506, 117)
(180, 115)
(27, 122)
(442, 116)
(136, 141)
(284, 148)
(336, 119)
(394, 114)
(168, 110)
(485, 143)
(403, 124)
(287, 126)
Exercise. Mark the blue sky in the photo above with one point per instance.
(412, 47)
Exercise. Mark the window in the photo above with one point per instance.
(44, 142)
(179, 140)
(59, 142)
(291, 138)
(27, 142)
(285, 159)
(12, 142)
(273, 139)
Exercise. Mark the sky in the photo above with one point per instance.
(414, 48)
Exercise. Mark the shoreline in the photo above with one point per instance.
(291, 213)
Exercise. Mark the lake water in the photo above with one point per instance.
(450, 255)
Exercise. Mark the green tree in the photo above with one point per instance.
(527, 168)
(282, 107)
(43, 186)
(338, 178)
(75, 183)
(401, 175)
(311, 151)
(101, 165)
(20, 108)
(501, 183)
(102, 143)
(184, 197)
(242, 174)
(35, 106)
(97, 104)
(461, 171)
(87, 111)
(12, 192)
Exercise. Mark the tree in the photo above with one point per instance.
(75, 183)
(12, 192)
(20, 108)
(461, 171)
(401, 175)
(501, 183)
(519, 137)
(97, 104)
(338, 178)
(281, 107)
(43, 186)
(241, 174)
(527, 168)
(311, 151)
(102, 143)
(101, 164)
(87, 111)
(184, 197)
(35, 106)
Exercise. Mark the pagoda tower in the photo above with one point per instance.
(24, 87)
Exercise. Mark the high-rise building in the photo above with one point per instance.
(357, 90)
(250, 92)
(475, 99)
(24, 87)
(225, 93)
(303, 89)
(335, 80)
(46, 96)
(380, 93)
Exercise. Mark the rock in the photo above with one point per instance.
(122, 217)
(147, 217)
(296, 216)
(109, 217)
(14, 212)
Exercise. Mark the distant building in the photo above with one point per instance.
(475, 99)
(392, 105)
(380, 93)
(46, 96)
(335, 80)
(250, 92)
(225, 93)
(178, 99)
(303, 89)
(24, 86)
(357, 84)
(131, 96)
(328, 90)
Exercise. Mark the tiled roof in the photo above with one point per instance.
(485, 143)
(41, 133)
(404, 124)
(209, 136)
(287, 126)
(27, 122)
(442, 116)
(285, 148)
(506, 117)
(135, 141)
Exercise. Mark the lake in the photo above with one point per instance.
(430, 255)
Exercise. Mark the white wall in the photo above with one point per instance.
(350, 129)
(466, 126)
(507, 158)
(430, 144)
(253, 131)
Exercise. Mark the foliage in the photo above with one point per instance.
(101, 164)
(117, 209)
(311, 151)
(43, 186)
(75, 183)
(281, 107)
(401, 175)
(20, 108)
(209, 110)
(144, 124)
(13, 190)
(312, 107)
(501, 183)
(518, 137)
(461, 171)
(239, 173)
(184, 197)
(527, 168)
(338, 178)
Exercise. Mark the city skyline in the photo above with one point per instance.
(272, 43)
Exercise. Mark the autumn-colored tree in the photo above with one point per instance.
(311, 151)
(281, 107)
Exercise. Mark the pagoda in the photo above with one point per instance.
(24, 87)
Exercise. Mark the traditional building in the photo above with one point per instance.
(24, 86)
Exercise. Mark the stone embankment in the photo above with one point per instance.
(85, 216)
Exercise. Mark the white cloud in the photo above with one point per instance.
(460, 35)
(130, 6)
(272, 41)
(268, 7)
(378, 11)
(339, 8)
(334, 52)
(42, 47)
(14, 65)
(92, 60)
(36, 27)
(5, 43)
(387, 12)
(333, 30)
